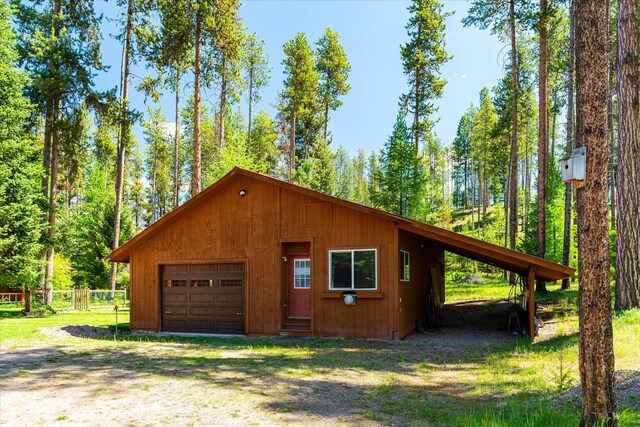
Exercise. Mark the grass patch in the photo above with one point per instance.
(16, 327)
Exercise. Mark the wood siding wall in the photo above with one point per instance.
(253, 229)
(413, 295)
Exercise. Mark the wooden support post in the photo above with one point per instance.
(531, 301)
(23, 299)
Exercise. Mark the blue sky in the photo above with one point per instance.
(371, 33)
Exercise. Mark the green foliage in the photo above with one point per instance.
(159, 163)
(61, 52)
(20, 171)
(169, 47)
(318, 172)
(255, 62)
(299, 95)
(333, 70)
(401, 178)
(555, 220)
(494, 15)
(62, 272)
(461, 159)
(87, 231)
(301, 77)
(263, 143)
(434, 162)
(235, 151)
(423, 57)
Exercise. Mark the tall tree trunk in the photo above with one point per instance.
(154, 196)
(197, 172)
(466, 182)
(612, 160)
(250, 105)
(50, 163)
(480, 201)
(416, 116)
(526, 179)
(176, 144)
(566, 244)
(122, 142)
(223, 100)
(46, 152)
(292, 147)
(326, 121)
(46, 166)
(473, 198)
(543, 134)
(513, 155)
(596, 360)
(53, 193)
(485, 192)
(552, 134)
(506, 219)
(628, 174)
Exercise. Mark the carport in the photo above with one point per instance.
(529, 267)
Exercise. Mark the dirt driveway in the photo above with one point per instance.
(234, 382)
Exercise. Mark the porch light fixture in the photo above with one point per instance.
(242, 192)
(349, 298)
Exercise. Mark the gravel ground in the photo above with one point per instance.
(627, 390)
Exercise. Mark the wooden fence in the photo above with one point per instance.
(12, 297)
(73, 299)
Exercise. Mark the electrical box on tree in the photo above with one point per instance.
(574, 168)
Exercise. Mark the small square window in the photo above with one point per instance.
(404, 266)
(302, 273)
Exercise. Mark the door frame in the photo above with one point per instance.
(288, 248)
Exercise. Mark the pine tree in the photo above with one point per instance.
(299, 93)
(484, 123)
(502, 21)
(169, 49)
(255, 62)
(333, 69)
(20, 173)
(263, 143)
(158, 165)
(125, 124)
(543, 136)
(227, 40)
(461, 156)
(318, 171)
(60, 48)
(422, 59)
(401, 178)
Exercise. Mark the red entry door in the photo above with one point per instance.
(300, 286)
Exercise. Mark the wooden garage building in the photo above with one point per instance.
(254, 255)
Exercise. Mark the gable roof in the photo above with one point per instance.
(460, 244)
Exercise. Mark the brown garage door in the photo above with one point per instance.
(203, 298)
